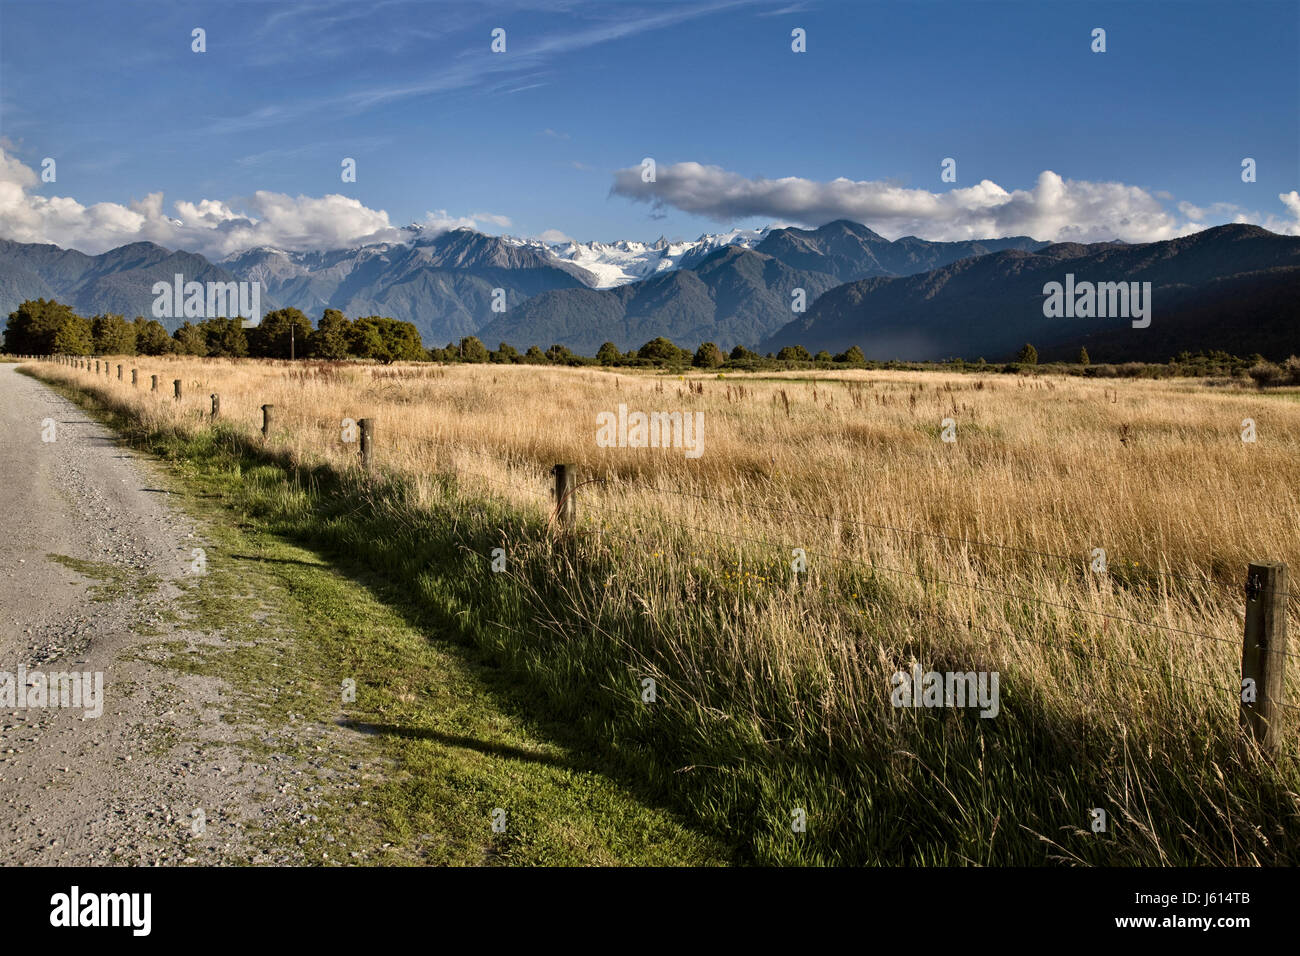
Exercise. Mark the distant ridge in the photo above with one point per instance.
(990, 305)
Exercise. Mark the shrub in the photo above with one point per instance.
(1266, 374)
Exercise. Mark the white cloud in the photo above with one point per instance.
(494, 218)
(211, 227)
(1055, 209)
(1291, 228)
(554, 235)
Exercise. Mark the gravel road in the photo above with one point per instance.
(91, 556)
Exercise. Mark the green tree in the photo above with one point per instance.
(330, 338)
(1027, 355)
(822, 356)
(34, 329)
(535, 356)
(742, 354)
(558, 355)
(280, 334)
(473, 350)
(190, 340)
(608, 354)
(708, 355)
(112, 335)
(660, 350)
(150, 337)
(224, 338)
(73, 337)
(386, 340)
(365, 340)
(403, 341)
(852, 355)
(794, 353)
(1083, 356)
(505, 354)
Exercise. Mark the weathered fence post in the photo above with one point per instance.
(266, 421)
(134, 376)
(176, 386)
(367, 427)
(154, 386)
(119, 373)
(108, 370)
(566, 499)
(96, 366)
(216, 405)
(1264, 653)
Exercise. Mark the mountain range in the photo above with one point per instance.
(1234, 287)
(1230, 287)
(119, 281)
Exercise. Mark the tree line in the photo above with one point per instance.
(659, 352)
(47, 327)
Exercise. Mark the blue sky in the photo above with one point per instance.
(1146, 140)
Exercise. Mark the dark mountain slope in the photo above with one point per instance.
(990, 305)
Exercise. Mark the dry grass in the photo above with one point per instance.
(969, 555)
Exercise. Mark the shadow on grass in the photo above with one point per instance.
(919, 788)
(264, 560)
(465, 743)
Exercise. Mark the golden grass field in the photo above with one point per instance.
(971, 555)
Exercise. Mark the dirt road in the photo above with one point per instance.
(91, 556)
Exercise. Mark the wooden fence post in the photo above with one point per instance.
(1264, 653)
(216, 405)
(154, 386)
(96, 366)
(367, 427)
(176, 386)
(119, 373)
(566, 499)
(266, 421)
(134, 376)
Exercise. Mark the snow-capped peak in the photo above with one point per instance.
(627, 260)
(600, 265)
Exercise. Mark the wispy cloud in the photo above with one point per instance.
(786, 10)
(473, 69)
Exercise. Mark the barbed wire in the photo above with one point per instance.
(928, 578)
(518, 463)
(970, 625)
(976, 542)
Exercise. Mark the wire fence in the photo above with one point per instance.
(616, 488)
